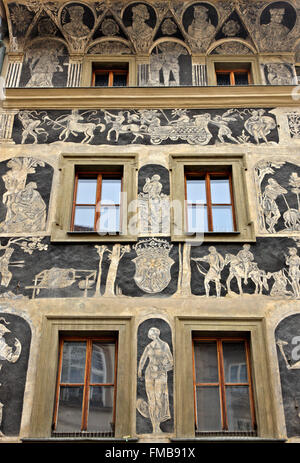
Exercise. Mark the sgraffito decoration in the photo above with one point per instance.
(276, 23)
(147, 126)
(25, 185)
(15, 338)
(45, 65)
(154, 200)
(288, 353)
(153, 265)
(278, 189)
(155, 378)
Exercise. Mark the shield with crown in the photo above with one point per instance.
(153, 265)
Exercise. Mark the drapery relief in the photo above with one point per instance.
(15, 338)
(155, 378)
(154, 126)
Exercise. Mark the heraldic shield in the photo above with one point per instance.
(153, 265)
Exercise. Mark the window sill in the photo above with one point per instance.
(68, 236)
(42, 440)
(234, 236)
(238, 439)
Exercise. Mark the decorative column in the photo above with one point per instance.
(6, 124)
(15, 61)
(199, 75)
(75, 70)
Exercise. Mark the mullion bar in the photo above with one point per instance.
(61, 343)
(195, 386)
(85, 402)
(247, 348)
(208, 201)
(222, 385)
(98, 200)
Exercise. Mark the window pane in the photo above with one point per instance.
(222, 218)
(110, 191)
(241, 78)
(238, 408)
(120, 80)
(195, 191)
(103, 363)
(101, 404)
(206, 362)
(220, 191)
(223, 79)
(208, 409)
(235, 366)
(69, 409)
(84, 218)
(86, 191)
(73, 362)
(101, 79)
(109, 219)
(197, 218)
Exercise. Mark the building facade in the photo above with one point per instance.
(150, 220)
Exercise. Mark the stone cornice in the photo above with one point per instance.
(157, 97)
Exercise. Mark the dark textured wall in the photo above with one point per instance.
(13, 375)
(288, 330)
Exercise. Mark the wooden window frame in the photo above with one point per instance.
(222, 382)
(70, 164)
(232, 73)
(99, 176)
(206, 175)
(193, 162)
(111, 73)
(86, 384)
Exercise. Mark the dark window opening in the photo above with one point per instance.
(223, 394)
(86, 387)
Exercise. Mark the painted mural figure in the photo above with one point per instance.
(154, 207)
(216, 264)
(139, 31)
(7, 353)
(274, 32)
(259, 126)
(293, 262)
(222, 122)
(30, 127)
(246, 257)
(160, 361)
(26, 209)
(43, 63)
(278, 74)
(201, 26)
(76, 26)
(270, 208)
(281, 281)
(167, 62)
(72, 125)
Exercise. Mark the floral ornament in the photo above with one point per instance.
(109, 27)
(20, 17)
(168, 27)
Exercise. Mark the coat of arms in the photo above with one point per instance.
(153, 265)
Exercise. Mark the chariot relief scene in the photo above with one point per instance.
(147, 126)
